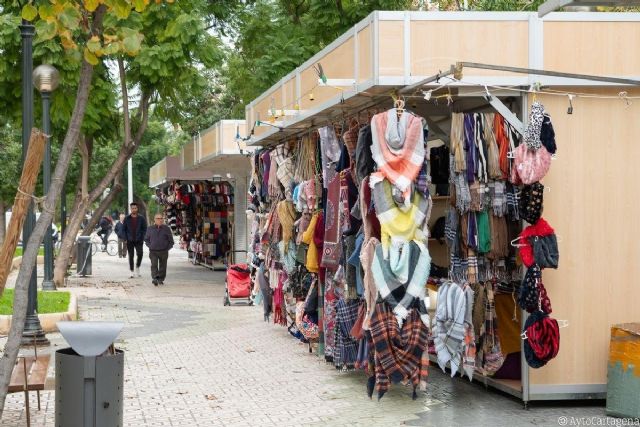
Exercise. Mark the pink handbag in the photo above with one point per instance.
(531, 165)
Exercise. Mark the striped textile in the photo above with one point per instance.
(285, 173)
(282, 153)
(469, 343)
(346, 352)
(398, 147)
(449, 330)
(401, 279)
(400, 352)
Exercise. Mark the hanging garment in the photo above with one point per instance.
(471, 152)
(398, 148)
(287, 217)
(332, 249)
(402, 277)
(499, 238)
(285, 176)
(469, 341)
(312, 251)
(449, 329)
(266, 173)
(539, 245)
(439, 162)
(484, 232)
(370, 290)
(266, 292)
(548, 135)
(346, 351)
(330, 149)
(400, 350)
(457, 143)
(542, 341)
(274, 185)
(493, 151)
(513, 196)
(329, 316)
(481, 148)
(402, 223)
(318, 239)
(498, 198)
(354, 263)
(489, 358)
(308, 328)
(350, 138)
(370, 223)
(365, 164)
(463, 194)
(531, 200)
(503, 144)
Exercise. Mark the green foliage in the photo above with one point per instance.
(48, 302)
(11, 155)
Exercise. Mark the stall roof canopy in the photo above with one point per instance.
(170, 169)
(388, 51)
(218, 149)
(551, 5)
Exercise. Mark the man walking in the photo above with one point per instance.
(159, 240)
(122, 238)
(135, 228)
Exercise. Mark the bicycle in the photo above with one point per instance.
(111, 247)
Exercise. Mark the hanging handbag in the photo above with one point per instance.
(531, 165)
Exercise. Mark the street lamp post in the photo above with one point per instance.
(46, 79)
(33, 332)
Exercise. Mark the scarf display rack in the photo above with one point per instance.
(201, 213)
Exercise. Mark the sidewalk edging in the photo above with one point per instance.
(47, 321)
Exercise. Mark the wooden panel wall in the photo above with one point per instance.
(600, 48)
(365, 60)
(390, 48)
(436, 45)
(228, 134)
(208, 142)
(592, 205)
(188, 155)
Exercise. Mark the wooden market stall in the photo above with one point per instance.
(220, 152)
(592, 198)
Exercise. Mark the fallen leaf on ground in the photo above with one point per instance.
(210, 397)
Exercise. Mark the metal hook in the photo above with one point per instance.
(570, 109)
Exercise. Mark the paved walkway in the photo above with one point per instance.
(192, 362)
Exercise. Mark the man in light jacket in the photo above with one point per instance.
(159, 240)
(122, 238)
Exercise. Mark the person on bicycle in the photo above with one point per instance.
(122, 238)
(159, 239)
(135, 228)
(105, 230)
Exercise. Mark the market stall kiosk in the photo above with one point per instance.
(509, 59)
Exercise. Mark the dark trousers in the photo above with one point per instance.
(158, 264)
(122, 248)
(138, 247)
(105, 235)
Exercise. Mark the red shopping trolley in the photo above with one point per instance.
(237, 284)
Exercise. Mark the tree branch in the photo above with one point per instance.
(125, 103)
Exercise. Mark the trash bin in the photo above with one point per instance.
(89, 376)
(83, 256)
(623, 381)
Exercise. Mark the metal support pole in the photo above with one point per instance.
(129, 184)
(32, 330)
(47, 283)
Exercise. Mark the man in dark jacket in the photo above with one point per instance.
(105, 231)
(135, 228)
(159, 240)
(122, 239)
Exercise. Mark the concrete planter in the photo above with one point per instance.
(15, 264)
(48, 321)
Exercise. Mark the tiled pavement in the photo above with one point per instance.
(192, 362)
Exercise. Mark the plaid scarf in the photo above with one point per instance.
(346, 352)
(400, 350)
(513, 198)
(402, 222)
(398, 148)
(498, 197)
(401, 279)
(285, 173)
(490, 357)
(281, 153)
(469, 343)
(463, 195)
(449, 325)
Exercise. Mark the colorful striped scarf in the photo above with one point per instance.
(398, 148)
(401, 354)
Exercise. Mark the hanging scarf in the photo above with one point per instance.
(365, 164)
(370, 223)
(401, 279)
(266, 166)
(463, 194)
(498, 197)
(397, 149)
(279, 313)
(345, 211)
(265, 289)
(449, 330)
(329, 315)
(481, 147)
(484, 232)
(402, 223)
(490, 357)
(499, 238)
(400, 350)
(346, 351)
(332, 249)
(470, 148)
(457, 143)
(287, 217)
(503, 144)
(285, 176)
(312, 252)
(493, 150)
(330, 149)
(469, 342)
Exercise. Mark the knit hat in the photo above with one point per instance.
(533, 295)
(530, 201)
(542, 341)
(548, 135)
(547, 248)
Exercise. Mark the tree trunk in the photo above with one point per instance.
(67, 254)
(145, 208)
(103, 206)
(30, 172)
(33, 245)
(3, 222)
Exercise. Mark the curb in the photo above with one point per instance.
(47, 321)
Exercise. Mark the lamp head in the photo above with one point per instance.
(46, 78)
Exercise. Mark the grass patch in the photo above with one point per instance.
(19, 251)
(48, 302)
